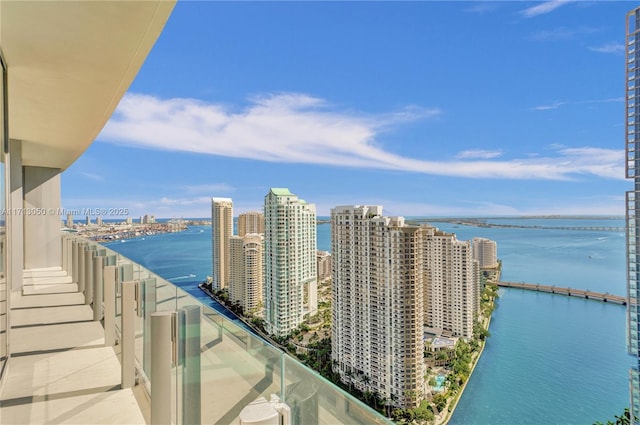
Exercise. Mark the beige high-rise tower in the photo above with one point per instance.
(221, 231)
(390, 280)
(485, 251)
(246, 271)
(452, 300)
(250, 222)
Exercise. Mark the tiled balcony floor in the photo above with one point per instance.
(60, 371)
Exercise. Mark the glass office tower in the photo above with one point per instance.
(633, 199)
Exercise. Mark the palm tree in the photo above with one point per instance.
(387, 406)
(350, 376)
(366, 380)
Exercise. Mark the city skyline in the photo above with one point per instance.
(372, 103)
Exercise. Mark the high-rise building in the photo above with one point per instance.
(390, 280)
(64, 68)
(99, 220)
(87, 220)
(250, 222)
(453, 284)
(323, 259)
(632, 148)
(246, 271)
(485, 251)
(70, 221)
(221, 231)
(290, 261)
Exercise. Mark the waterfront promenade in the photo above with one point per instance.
(572, 292)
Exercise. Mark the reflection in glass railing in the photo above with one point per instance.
(231, 367)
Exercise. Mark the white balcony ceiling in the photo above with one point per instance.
(70, 63)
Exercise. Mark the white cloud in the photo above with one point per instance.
(297, 128)
(556, 105)
(562, 33)
(211, 188)
(166, 201)
(481, 8)
(479, 154)
(617, 48)
(93, 176)
(600, 206)
(543, 8)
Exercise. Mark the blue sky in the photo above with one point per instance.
(427, 108)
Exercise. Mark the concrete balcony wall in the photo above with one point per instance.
(42, 243)
(15, 229)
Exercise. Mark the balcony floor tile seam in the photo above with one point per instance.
(45, 306)
(55, 350)
(35, 325)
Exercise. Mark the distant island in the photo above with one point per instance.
(109, 232)
(482, 222)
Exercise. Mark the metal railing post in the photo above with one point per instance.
(65, 254)
(75, 263)
(162, 340)
(149, 306)
(88, 274)
(97, 287)
(109, 306)
(128, 337)
(81, 263)
(69, 265)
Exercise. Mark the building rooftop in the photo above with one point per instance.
(281, 191)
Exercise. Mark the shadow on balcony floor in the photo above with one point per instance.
(60, 371)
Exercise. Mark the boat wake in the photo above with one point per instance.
(183, 277)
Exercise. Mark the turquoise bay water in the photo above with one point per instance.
(550, 359)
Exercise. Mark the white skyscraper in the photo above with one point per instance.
(390, 280)
(290, 261)
(221, 231)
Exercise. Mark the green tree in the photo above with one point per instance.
(479, 331)
(440, 401)
(624, 419)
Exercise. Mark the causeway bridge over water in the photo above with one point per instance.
(572, 292)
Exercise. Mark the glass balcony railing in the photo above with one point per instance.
(232, 367)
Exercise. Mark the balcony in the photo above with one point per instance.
(104, 340)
